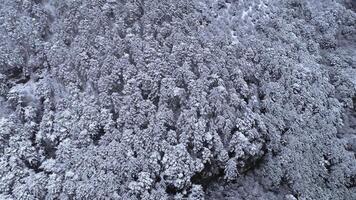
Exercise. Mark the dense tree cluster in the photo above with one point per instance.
(153, 99)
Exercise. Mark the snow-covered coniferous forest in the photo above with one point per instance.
(178, 99)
